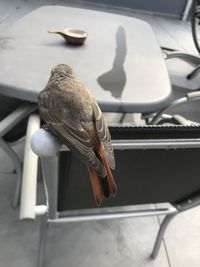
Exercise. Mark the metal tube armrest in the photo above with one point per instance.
(176, 119)
(46, 146)
(29, 178)
(185, 56)
(192, 96)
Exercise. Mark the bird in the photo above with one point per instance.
(71, 112)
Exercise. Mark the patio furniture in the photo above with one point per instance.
(117, 62)
(183, 101)
(155, 164)
(10, 134)
(112, 62)
(184, 73)
(184, 70)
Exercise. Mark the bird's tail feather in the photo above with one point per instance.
(110, 179)
(102, 186)
(97, 186)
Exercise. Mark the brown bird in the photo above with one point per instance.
(71, 112)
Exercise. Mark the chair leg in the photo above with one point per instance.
(194, 73)
(42, 241)
(122, 117)
(18, 165)
(160, 234)
(17, 193)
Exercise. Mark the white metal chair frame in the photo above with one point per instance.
(47, 151)
(154, 118)
(189, 58)
(7, 124)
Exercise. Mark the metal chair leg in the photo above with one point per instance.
(42, 241)
(18, 165)
(193, 73)
(122, 117)
(161, 233)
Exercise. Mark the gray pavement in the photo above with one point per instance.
(108, 243)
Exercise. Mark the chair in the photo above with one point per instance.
(184, 70)
(184, 73)
(179, 105)
(143, 151)
(12, 129)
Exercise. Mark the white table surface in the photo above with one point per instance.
(125, 47)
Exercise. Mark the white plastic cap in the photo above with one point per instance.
(44, 144)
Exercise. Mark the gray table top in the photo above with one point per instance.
(121, 61)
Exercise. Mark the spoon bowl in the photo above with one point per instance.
(72, 36)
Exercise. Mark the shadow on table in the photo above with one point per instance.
(115, 79)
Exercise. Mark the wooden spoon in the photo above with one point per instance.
(72, 36)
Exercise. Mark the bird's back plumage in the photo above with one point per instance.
(71, 112)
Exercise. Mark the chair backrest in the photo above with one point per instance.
(153, 164)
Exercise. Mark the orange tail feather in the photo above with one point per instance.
(97, 186)
(110, 178)
(102, 186)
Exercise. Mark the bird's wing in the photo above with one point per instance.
(74, 136)
(104, 135)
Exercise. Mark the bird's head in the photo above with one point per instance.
(62, 70)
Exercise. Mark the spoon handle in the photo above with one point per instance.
(56, 31)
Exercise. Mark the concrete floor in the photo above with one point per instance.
(108, 243)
